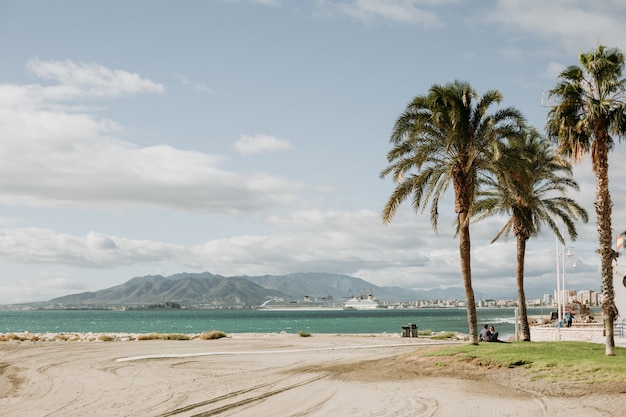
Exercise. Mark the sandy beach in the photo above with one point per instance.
(272, 375)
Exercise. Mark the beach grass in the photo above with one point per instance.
(578, 362)
(212, 335)
(209, 335)
(176, 336)
(163, 336)
(149, 336)
(11, 336)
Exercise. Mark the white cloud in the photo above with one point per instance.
(260, 143)
(98, 241)
(266, 2)
(576, 25)
(311, 240)
(271, 3)
(39, 288)
(80, 80)
(46, 247)
(54, 157)
(401, 11)
(552, 71)
(194, 85)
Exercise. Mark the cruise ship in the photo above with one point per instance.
(363, 303)
(306, 303)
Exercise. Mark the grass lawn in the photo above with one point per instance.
(576, 362)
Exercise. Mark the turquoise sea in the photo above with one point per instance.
(254, 321)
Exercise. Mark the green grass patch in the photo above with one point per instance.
(426, 332)
(575, 362)
(302, 333)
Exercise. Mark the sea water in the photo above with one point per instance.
(256, 321)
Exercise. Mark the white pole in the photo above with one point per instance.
(558, 282)
(565, 294)
(565, 297)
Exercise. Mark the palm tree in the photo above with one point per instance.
(590, 111)
(448, 137)
(530, 187)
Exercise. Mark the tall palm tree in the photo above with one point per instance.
(447, 136)
(530, 187)
(590, 111)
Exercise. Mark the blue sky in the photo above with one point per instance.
(245, 137)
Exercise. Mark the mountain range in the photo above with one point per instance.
(206, 290)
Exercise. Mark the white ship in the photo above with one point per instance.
(363, 302)
(279, 304)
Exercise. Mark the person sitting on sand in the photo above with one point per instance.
(485, 334)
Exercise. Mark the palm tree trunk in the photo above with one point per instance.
(521, 295)
(466, 273)
(604, 207)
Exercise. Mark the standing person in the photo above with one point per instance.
(485, 334)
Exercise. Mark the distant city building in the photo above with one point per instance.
(548, 299)
(590, 298)
(587, 297)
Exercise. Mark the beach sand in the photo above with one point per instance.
(273, 375)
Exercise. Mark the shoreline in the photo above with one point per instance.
(47, 337)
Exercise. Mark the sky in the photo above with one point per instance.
(246, 137)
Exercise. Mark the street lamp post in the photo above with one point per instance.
(558, 283)
(561, 264)
(568, 255)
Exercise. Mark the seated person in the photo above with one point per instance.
(485, 334)
(493, 335)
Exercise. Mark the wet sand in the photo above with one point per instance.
(260, 375)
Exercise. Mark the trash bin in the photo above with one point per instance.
(406, 331)
(414, 329)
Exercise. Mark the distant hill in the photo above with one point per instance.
(186, 289)
(338, 286)
(206, 290)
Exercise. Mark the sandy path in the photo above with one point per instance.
(249, 375)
